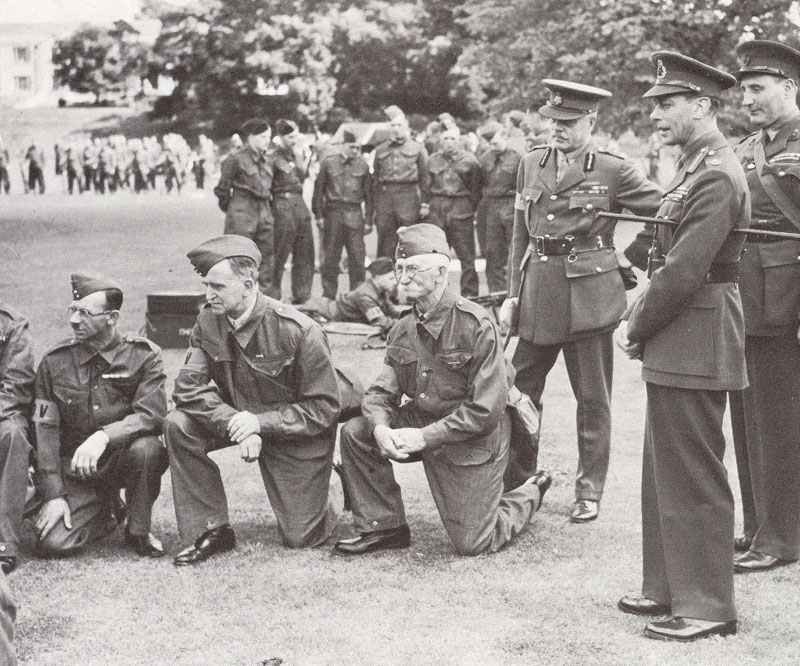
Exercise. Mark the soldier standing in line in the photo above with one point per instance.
(455, 190)
(400, 183)
(35, 157)
(343, 186)
(244, 193)
(499, 178)
(5, 161)
(564, 277)
(687, 327)
(765, 416)
(293, 233)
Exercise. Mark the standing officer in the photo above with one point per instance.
(342, 186)
(564, 281)
(765, 416)
(99, 409)
(258, 375)
(293, 233)
(455, 190)
(16, 397)
(400, 184)
(244, 192)
(688, 329)
(445, 359)
(499, 177)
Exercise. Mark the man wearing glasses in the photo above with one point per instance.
(99, 409)
(440, 398)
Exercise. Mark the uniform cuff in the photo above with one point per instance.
(434, 434)
(51, 486)
(270, 422)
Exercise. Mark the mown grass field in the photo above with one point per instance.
(548, 599)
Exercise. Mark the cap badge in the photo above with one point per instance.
(556, 100)
(661, 71)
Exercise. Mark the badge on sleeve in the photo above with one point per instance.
(46, 412)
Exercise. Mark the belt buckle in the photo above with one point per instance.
(569, 241)
(538, 245)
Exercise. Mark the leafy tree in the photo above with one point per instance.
(603, 42)
(98, 60)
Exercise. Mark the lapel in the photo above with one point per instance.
(778, 145)
(244, 334)
(574, 172)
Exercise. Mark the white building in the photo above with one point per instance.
(26, 63)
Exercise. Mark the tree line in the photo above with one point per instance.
(324, 61)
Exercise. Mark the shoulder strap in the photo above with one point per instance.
(778, 196)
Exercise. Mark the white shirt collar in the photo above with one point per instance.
(242, 319)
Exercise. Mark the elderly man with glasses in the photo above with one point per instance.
(99, 409)
(441, 398)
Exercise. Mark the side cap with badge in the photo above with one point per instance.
(83, 284)
(421, 238)
(214, 250)
(677, 73)
(569, 101)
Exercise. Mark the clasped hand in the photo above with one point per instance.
(399, 443)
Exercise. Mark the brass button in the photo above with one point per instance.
(550, 216)
(544, 257)
(553, 197)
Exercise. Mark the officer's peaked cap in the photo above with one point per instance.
(763, 56)
(569, 100)
(677, 73)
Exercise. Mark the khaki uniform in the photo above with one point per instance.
(365, 303)
(765, 416)
(244, 194)
(689, 321)
(455, 191)
(342, 186)
(276, 365)
(400, 183)
(572, 301)
(78, 392)
(450, 366)
(16, 398)
(293, 233)
(499, 179)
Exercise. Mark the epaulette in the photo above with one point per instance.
(293, 314)
(540, 147)
(141, 340)
(63, 344)
(478, 311)
(749, 136)
(691, 167)
(605, 151)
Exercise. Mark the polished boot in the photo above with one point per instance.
(685, 629)
(8, 563)
(741, 544)
(753, 561)
(217, 540)
(584, 511)
(642, 606)
(145, 545)
(397, 537)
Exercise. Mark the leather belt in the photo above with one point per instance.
(723, 273)
(768, 225)
(547, 245)
(287, 195)
(447, 195)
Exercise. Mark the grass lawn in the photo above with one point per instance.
(549, 598)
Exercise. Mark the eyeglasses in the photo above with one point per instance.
(83, 313)
(410, 270)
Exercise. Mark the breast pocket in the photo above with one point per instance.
(270, 377)
(404, 363)
(73, 403)
(451, 374)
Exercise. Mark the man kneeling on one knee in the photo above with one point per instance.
(258, 375)
(440, 398)
(99, 410)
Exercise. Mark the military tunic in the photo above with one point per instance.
(572, 301)
(244, 194)
(499, 179)
(293, 233)
(16, 397)
(689, 321)
(455, 190)
(277, 365)
(342, 186)
(119, 390)
(766, 415)
(448, 366)
(400, 183)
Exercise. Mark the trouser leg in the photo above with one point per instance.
(375, 497)
(655, 584)
(264, 238)
(197, 490)
(532, 363)
(8, 616)
(461, 237)
(590, 364)
(285, 231)
(297, 481)
(14, 456)
(138, 469)
(476, 514)
(695, 504)
(773, 436)
(333, 242)
(386, 226)
(499, 225)
(302, 252)
(356, 253)
(736, 400)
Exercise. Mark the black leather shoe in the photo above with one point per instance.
(584, 511)
(209, 543)
(642, 606)
(8, 563)
(753, 561)
(685, 629)
(543, 481)
(741, 544)
(397, 537)
(145, 545)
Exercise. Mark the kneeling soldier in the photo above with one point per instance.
(257, 371)
(446, 358)
(99, 410)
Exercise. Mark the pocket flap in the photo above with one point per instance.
(591, 263)
(781, 253)
(271, 366)
(465, 455)
(455, 358)
(400, 355)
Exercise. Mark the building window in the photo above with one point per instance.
(22, 54)
(22, 83)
